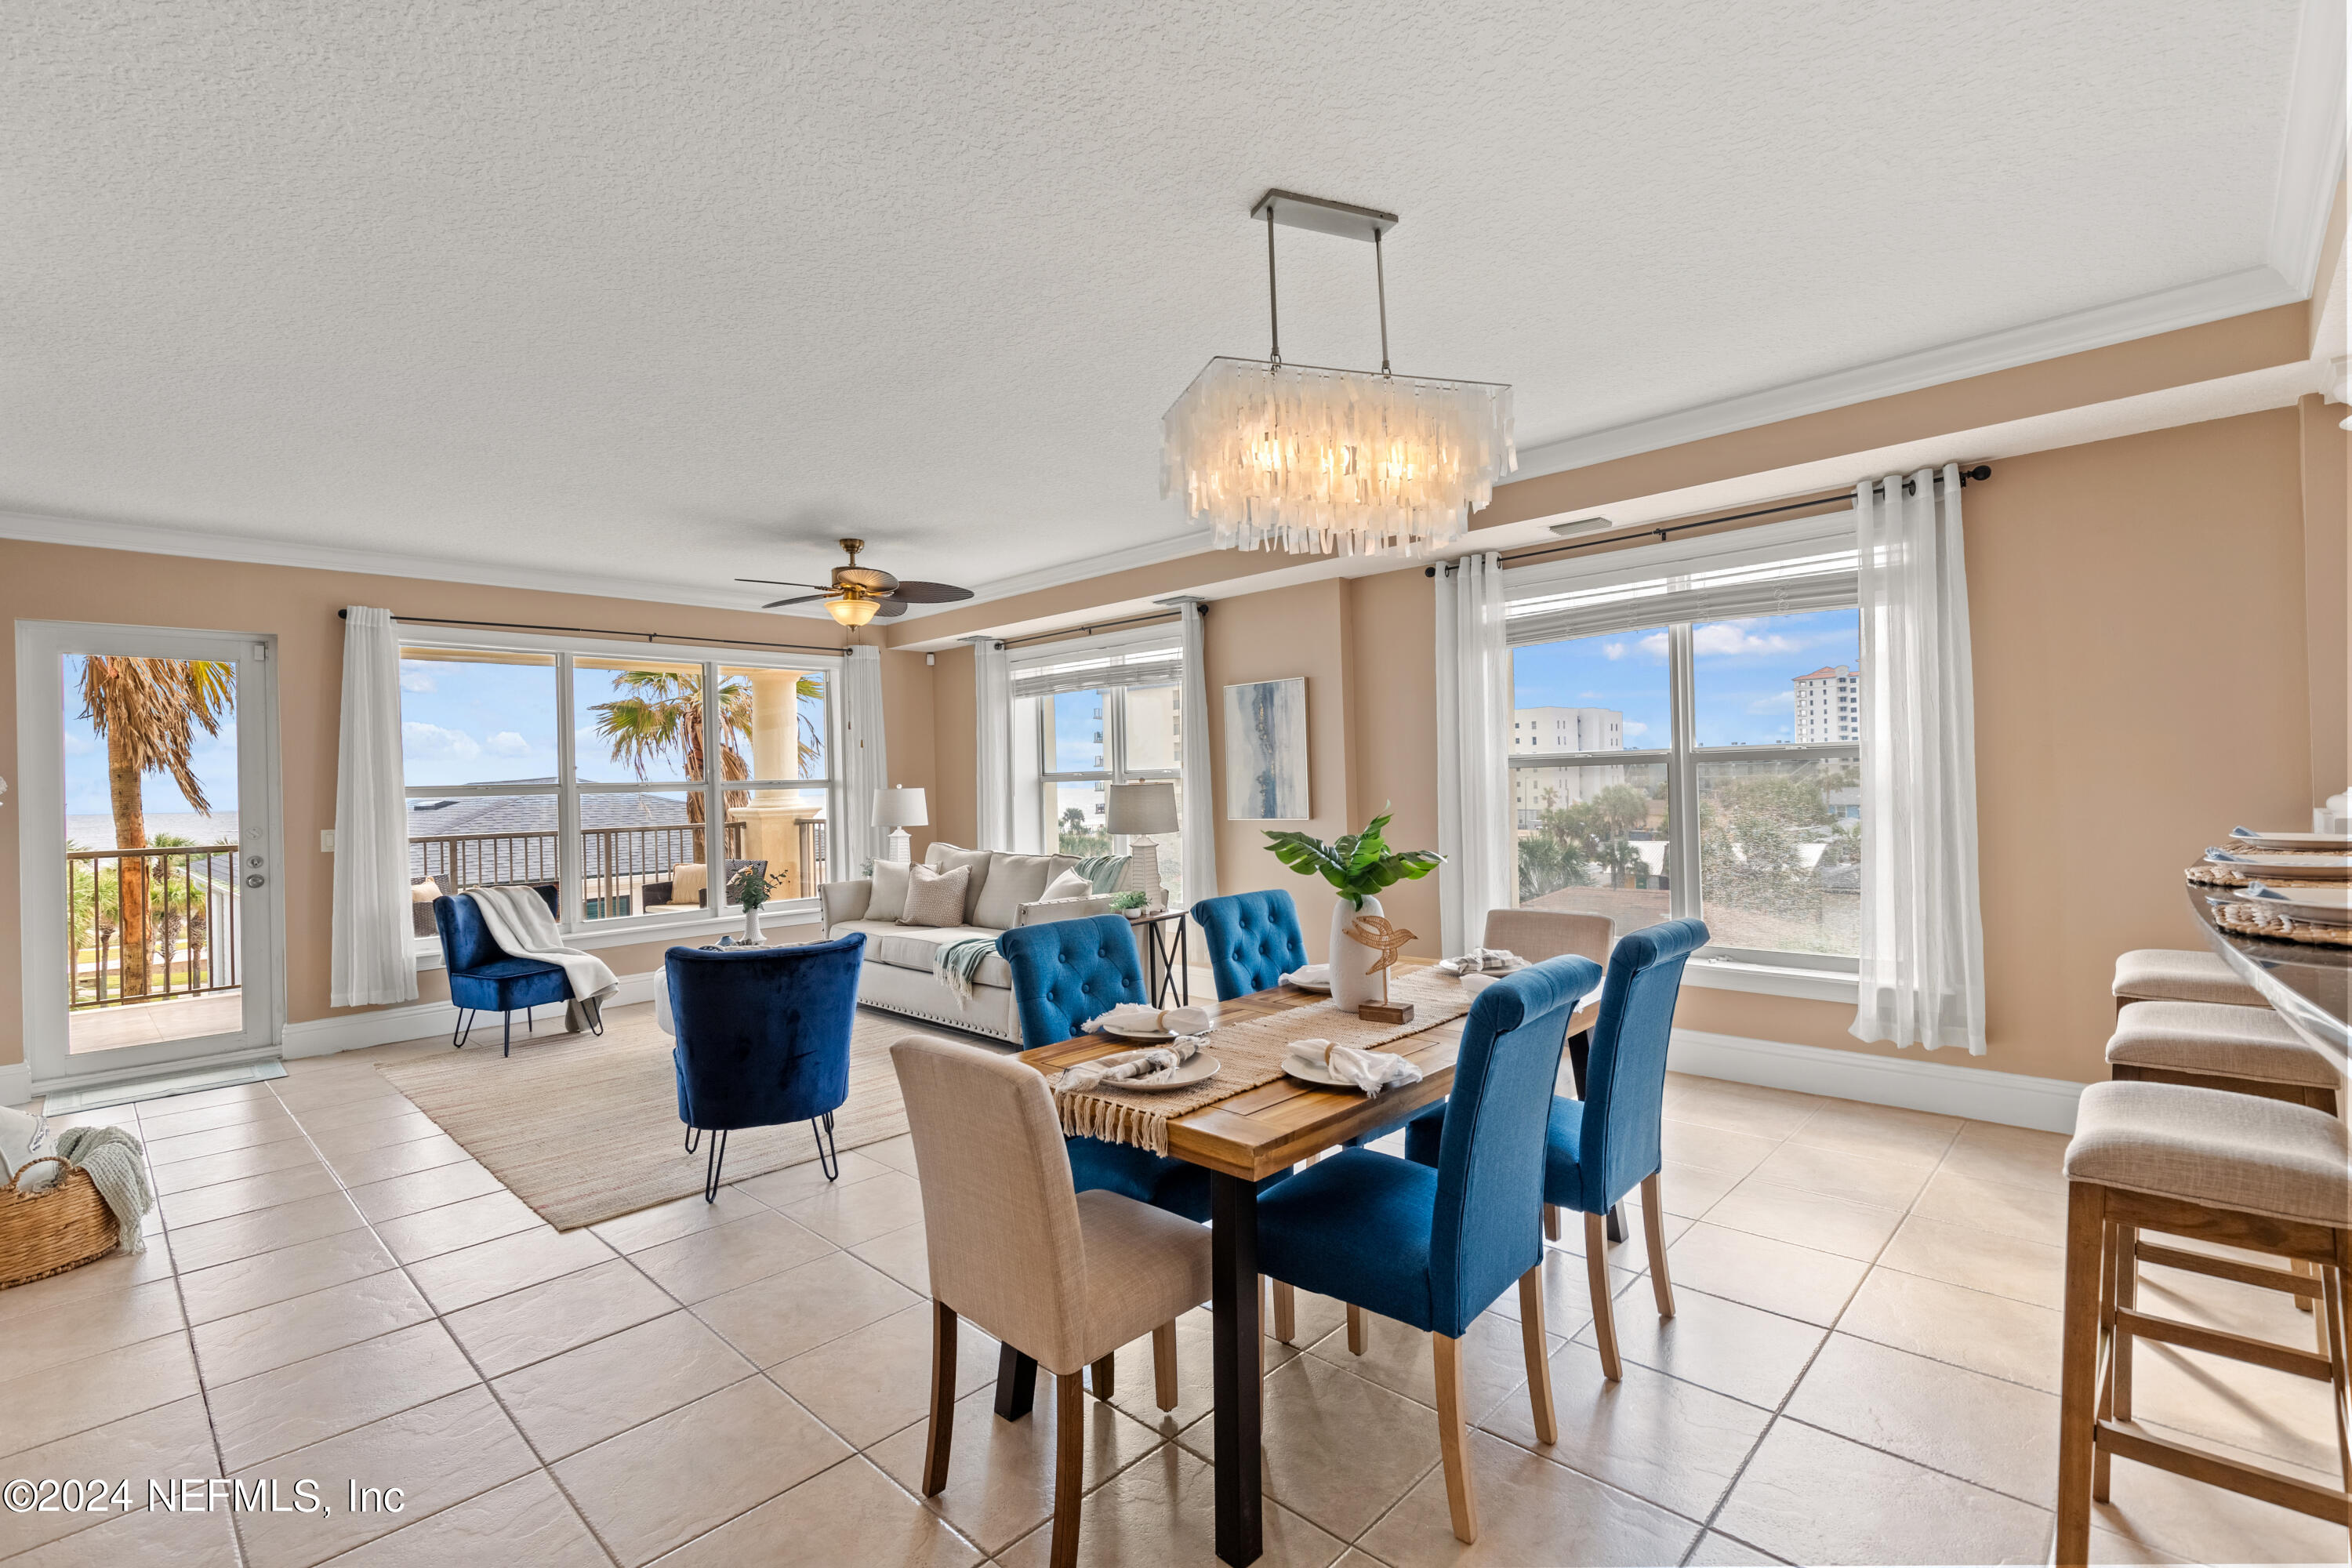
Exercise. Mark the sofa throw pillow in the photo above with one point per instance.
(935, 897)
(1103, 871)
(1013, 880)
(889, 900)
(948, 857)
(1068, 885)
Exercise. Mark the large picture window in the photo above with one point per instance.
(1686, 741)
(596, 778)
(1101, 716)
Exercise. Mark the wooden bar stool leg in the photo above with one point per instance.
(1163, 1366)
(2110, 1274)
(1604, 1323)
(2127, 1299)
(2331, 1285)
(2078, 1370)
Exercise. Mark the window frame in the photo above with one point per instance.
(570, 787)
(1115, 771)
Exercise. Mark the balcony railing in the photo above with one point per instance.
(616, 863)
(148, 925)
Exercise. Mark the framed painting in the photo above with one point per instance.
(1266, 751)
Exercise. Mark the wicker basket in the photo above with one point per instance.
(48, 1232)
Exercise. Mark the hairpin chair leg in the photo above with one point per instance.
(693, 1136)
(942, 1436)
(531, 1020)
(506, 1038)
(464, 1030)
(711, 1174)
(828, 1155)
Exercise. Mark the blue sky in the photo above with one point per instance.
(214, 759)
(1742, 673)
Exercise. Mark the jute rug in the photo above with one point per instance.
(584, 1129)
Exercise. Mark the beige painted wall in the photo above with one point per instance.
(61, 583)
(2327, 452)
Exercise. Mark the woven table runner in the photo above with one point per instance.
(2252, 919)
(1250, 1054)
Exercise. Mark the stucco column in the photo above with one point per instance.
(771, 818)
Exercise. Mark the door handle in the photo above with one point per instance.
(255, 880)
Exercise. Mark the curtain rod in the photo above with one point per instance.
(603, 632)
(1091, 627)
(1974, 474)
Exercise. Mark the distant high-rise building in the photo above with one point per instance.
(1829, 705)
(1562, 730)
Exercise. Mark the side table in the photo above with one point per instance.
(1166, 953)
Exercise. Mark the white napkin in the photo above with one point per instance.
(1309, 977)
(1132, 1068)
(1136, 1018)
(1370, 1071)
(1483, 961)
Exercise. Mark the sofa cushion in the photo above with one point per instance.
(1067, 885)
(947, 857)
(936, 897)
(910, 947)
(889, 898)
(1013, 880)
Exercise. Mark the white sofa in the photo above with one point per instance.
(1004, 892)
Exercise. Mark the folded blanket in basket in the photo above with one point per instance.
(118, 1165)
(954, 963)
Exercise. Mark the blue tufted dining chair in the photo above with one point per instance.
(1253, 940)
(762, 1039)
(485, 978)
(1434, 1248)
(1600, 1149)
(1066, 973)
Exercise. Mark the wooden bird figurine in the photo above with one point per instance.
(1384, 937)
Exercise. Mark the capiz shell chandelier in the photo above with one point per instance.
(1313, 460)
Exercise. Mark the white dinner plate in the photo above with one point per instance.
(2319, 906)
(1322, 1078)
(1142, 1036)
(2326, 842)
(1312, 977)
(2296, 868)
(1199, 1069)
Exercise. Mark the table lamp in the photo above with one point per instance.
(898, 810)
(1133, 811)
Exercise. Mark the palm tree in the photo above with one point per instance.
(662, 714)
(149, 710)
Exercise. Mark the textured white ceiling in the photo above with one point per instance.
(676, 292)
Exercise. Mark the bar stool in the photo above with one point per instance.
(2245, 1171)
(2169, 974)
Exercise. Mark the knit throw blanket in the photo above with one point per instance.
(1250, 1054)
(954, 963)
(1103, 873)
(118, 1165)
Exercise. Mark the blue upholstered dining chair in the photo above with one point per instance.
(762, 1039)
(484, 978)
(1253, 940)
(1434, 1248)
(1599, 1150)
(1066, 973)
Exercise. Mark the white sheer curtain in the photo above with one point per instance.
(369, 937)
(991, 680)
(1200, 791)
(1922, 934)
(1474, 727)
(866, 760)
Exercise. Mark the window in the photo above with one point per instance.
(1687, 741)
(1103, 713)
(595, 775)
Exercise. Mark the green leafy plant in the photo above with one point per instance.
(1360, 865)
(751, 889)
(1133, 898)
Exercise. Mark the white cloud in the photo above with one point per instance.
(506, 743)
(431, 742)
(1654, 645)
(1614, 650)
(1634, 727)
(414, 677)
(1723, 639)
(1778, 700)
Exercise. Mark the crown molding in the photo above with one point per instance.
(2191, 305)
(1196, 542)
(152, 538)
(2311, 161)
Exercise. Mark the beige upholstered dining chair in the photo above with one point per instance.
(1063, 1277)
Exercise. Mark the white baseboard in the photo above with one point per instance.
(1981, 1094)
(15, 1083)
(417, 1021)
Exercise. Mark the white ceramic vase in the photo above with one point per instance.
(1350, 986)
(751, 925)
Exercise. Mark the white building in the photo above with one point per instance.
(1562, 730)
(1829, 705)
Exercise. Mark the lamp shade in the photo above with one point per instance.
(1142, 807)
(900, 809)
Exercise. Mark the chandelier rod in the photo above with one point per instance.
(1380, 279)
(1273, 310)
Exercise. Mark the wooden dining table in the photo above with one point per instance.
(1241, 1141)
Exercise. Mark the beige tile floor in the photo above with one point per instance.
(1861, 1371)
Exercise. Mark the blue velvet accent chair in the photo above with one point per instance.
(1601, 1148)
(1253, 940)
(484, 979)
(763, 1040)
(1066, 973)
(1433, 1248)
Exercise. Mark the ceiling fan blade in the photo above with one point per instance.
(889, 607)
(929, 593)
(804, 599)
(779, 582)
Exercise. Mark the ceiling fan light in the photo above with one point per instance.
(851, 609)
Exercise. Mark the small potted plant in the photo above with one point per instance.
(1358, 865)
(751, 890)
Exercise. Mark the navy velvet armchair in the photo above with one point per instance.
(483, 978)
(763, 1040)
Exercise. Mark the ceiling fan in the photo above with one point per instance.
(858, 594)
